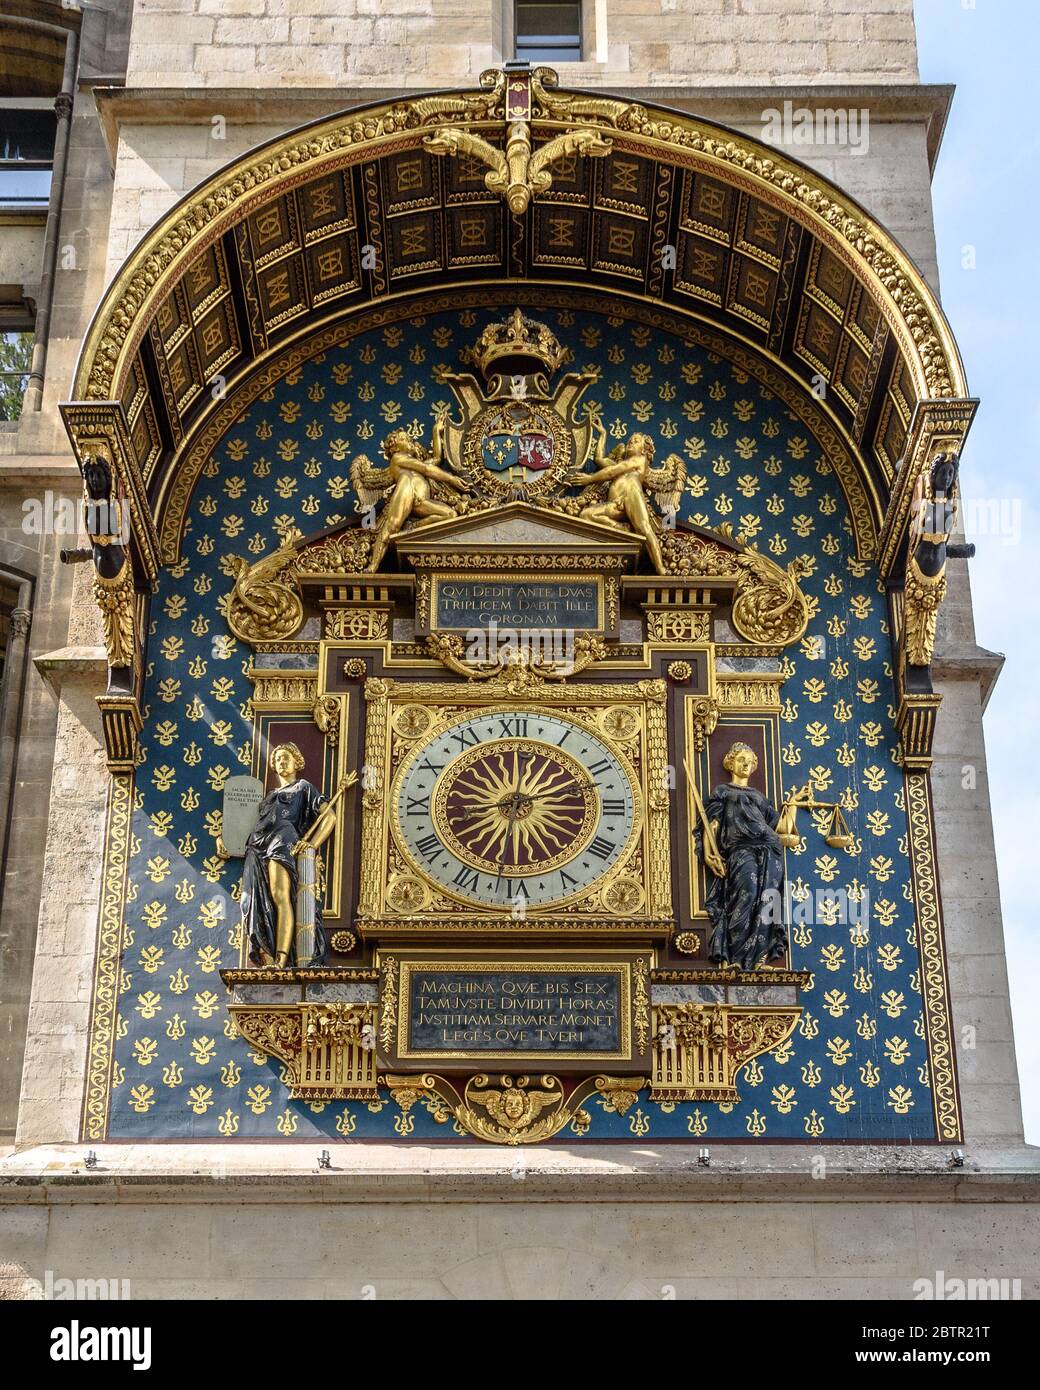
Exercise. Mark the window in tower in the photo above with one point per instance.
(547, 33)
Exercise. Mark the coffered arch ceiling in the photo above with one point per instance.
(684, 218)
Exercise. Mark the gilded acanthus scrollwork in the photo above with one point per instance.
(482, 105)
(451, 651)
(265, 604)
(768, 606)
(568, 106)
(115, 598)
(922, 598)
(278, 1032)
(520, 173)
(513, 1110)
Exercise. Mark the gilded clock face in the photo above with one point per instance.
(511, 804)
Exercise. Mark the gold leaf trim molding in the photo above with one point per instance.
(934, 985)
(105, 997)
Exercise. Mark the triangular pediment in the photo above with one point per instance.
(518, 526)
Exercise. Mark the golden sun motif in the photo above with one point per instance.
(521, 808)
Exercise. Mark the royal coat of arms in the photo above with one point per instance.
(518, 436)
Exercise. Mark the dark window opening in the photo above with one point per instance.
(26, 158)
(547, 33)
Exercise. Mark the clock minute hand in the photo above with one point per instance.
(555, 791)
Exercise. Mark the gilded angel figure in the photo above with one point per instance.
(629, 474)
(418, 481)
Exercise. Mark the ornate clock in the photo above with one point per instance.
(545, 806)
(515, 805)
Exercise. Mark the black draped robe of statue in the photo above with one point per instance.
(747, 906)
(285, 815)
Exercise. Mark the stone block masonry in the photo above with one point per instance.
(339, 43)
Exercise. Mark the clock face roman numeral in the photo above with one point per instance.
(515, 726)
(497, 809)
(513, 888)
(429, 847)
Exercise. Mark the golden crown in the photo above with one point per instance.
(511, 346)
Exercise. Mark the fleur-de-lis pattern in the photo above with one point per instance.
(857, 1067)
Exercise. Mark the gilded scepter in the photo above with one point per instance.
(712, 856)
(304, 841)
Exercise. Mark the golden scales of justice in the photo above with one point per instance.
(838, 835)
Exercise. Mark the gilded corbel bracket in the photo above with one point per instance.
(699, 1049)
(704, 718)
(915, 723)
(512, 1110)
(937, 426)
(121, 723)
(327, 1049)
(519, 173)
(328, 715)
(98, 429)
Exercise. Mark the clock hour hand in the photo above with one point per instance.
(516, 797)
(513, 811)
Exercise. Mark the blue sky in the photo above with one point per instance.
(985, 197)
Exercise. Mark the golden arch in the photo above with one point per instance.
(682, 218)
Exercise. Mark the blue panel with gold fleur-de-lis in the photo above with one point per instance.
(856, 1069)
